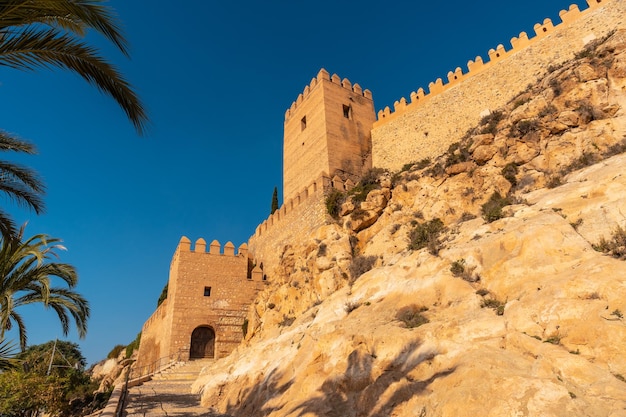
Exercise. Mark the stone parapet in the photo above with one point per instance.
(429, 123)
(293, 221)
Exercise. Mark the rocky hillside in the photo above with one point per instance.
(489, 281)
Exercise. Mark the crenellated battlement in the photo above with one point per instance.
(335, 79)
(478, 65)
(215, 248)
(209, 291)
(332, 136)
(316, 190)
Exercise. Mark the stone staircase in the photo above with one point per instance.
(168, 393)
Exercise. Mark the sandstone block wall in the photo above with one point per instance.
(154, 337)
(430, 123)
(205, 289)
(327, 130)
(293, 222)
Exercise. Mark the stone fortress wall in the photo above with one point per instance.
(210, 291)
(294, 221)
(315, 128)
(327, 145)
(429, 123)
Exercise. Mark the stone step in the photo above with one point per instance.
(168, 393)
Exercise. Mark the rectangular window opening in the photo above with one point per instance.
(207, 291)
(347, 112)
(303, 123)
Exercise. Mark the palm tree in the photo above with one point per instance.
(48, 33)
(26, 270)
(19, 183)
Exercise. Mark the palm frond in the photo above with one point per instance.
(70, 15)
(26, 275)
(21, 328)
(13, 143)
(31, 48)
(8, 353)
(7, 226)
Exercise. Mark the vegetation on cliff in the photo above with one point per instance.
(513, 313)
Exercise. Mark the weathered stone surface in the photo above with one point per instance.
(569, 118)
(484, 153)
(553, 285)
(529, 110)
(460, 167)
(481, 140)
(400, 137)
(535, 330)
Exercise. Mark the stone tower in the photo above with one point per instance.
(327, 131)
(209, 293)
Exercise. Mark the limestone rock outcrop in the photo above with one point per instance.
(514, 314)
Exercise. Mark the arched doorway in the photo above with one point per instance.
(202, 343)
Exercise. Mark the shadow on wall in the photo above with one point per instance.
(355, 393)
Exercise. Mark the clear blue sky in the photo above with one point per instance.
(216, 78)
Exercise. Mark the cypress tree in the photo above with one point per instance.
(274, 201)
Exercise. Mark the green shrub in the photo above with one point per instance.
(493, 303)
(423, 163)
(407, 167)
(615, 149)
(412, 316)
(361, 264)
(370, 181)
(287, 321)
(523, 127)
(575, 225)
(334, 200)
(457, 154)
(588, 112)
(461, 270)
(322, 249)
(350, 306)
(426, 235)
(163, 295)
(615, 247)
(554, 338)
(509, 172)
(358, 214)
(133, 346)
(520, 102)
(554, 181)
(548, 110)
(115, 352)
(490, 122)
(457, 267)
(587, 52)
(467, 216)
(556, 87)
(372, 176)
(436, 170)
(492, 209)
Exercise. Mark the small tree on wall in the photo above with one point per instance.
(274, 201)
